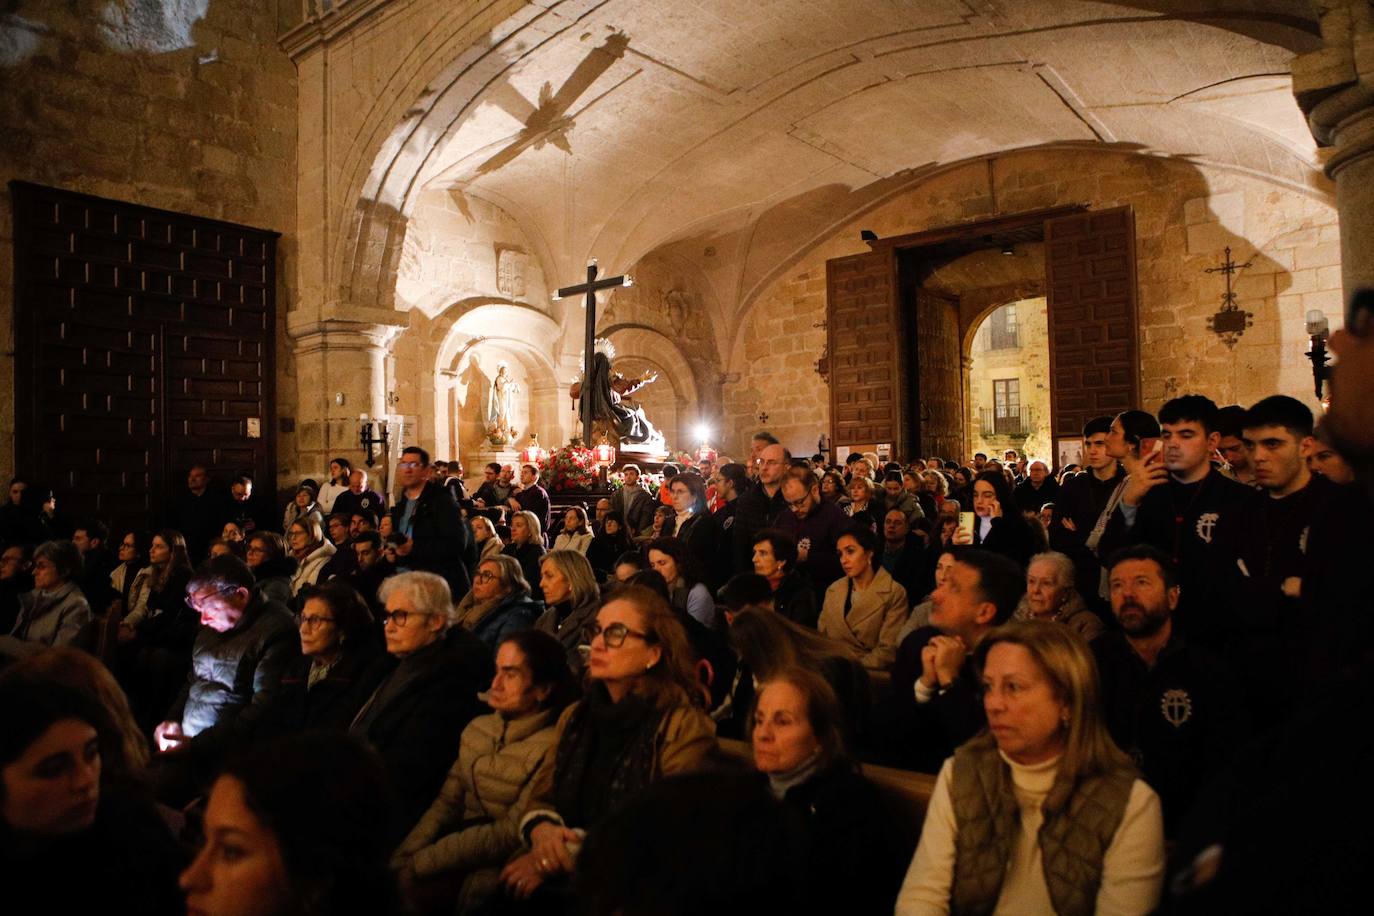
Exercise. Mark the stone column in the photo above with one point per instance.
(341, 373)
(1334, 87)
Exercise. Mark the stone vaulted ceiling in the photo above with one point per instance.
(730, 134)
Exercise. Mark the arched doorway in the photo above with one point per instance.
(1009, 381)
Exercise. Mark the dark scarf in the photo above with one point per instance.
(608, 752)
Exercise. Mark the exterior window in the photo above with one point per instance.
(1002, 329)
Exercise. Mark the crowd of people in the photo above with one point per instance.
(441, 700)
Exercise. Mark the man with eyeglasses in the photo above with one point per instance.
(427, 513)
(244, 643)
(816, 524)
(757, 508)
(417, 713)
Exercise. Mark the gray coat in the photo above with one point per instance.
(234, 675)
(47, 618)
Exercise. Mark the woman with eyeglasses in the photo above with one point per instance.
(338, 666)
(131, 577)
(499, 602)
(311, 549)
(54, 613)
(526, 545)
(273, 568)
(473, 827)
(571, 598)
(637, 724)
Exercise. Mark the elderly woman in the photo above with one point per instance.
(526, 545)
(337, 669)
(576, 533)
(485, 537)
(1042, 813)
(766, 644)
(54, 613)
(310, 549)
(65, 781)
(571, 598)
(428, 696)
(1050, 596)
(833, 489)
(636, 725)
(866, 609)
(473, 827)
(499, 603)
(295, 826)
(775, 558)
(798, 737)
(273, 568)
(686, 592)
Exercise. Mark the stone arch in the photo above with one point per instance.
(494, 331)
(636, 343)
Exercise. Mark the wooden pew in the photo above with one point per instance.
(906, 793)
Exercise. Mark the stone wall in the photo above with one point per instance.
(188, 107)
(1186, 215)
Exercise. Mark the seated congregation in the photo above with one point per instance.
(773, 685)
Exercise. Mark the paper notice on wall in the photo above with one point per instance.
(254, 427)
(841, 453)
(884, 451)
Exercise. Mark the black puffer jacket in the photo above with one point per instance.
(274, 579)
(234, 676)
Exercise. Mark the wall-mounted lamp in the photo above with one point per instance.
(367, 440)
(1318, 329)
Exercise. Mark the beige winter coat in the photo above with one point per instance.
(875, 617)
(487, 789)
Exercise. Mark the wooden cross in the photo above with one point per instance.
(590, 289)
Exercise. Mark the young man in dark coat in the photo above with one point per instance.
(427, 513)
(417, 714)
(1186, 508)
(1082, 499)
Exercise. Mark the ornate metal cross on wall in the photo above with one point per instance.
(1231, 320)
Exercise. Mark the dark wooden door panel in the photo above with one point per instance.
(144, 344)
(1094, 356)
(863, 333)
(940, 402)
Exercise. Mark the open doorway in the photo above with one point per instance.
(1009, 381)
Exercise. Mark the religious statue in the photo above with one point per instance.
(613, 406)
(500, 402)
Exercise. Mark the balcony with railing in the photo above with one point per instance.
(1011, 423)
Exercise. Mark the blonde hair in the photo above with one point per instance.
(1067, 663)
(82, 673)
(574, 567)
(536, 531)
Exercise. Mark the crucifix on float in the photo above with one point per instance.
(590, 289)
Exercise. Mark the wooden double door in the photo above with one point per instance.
(896, 349)
(144, 344)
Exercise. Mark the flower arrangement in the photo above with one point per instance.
(650, 482)
(568, 468)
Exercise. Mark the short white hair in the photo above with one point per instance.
(1063, 566)
(428, 593)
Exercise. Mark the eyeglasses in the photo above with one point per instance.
(399, 617)
(312, 622)
(614, 634)
(484, 576)
(800, 503)
(198, 601)
(409, 465)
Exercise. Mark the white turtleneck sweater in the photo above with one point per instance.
(1132, 868)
